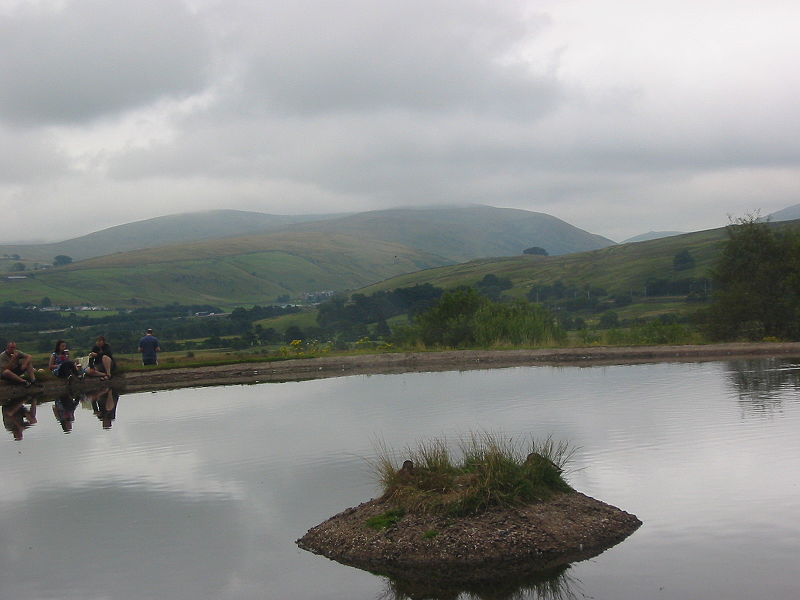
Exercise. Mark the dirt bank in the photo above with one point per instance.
(454, 360)
(403, 362)
(496, 544)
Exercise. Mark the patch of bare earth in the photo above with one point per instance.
(501, 542)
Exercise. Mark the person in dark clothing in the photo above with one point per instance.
(60, 364)
(101, 359)
(149, 348)
(104, 404)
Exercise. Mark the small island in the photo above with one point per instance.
(501, 511)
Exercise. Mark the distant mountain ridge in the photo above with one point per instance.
(651, 235)
(453, 233)
(160, 231)
(790, 213)
(464, 233)
(332, 253)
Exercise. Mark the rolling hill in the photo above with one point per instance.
(159, 231)
(464, 233)
(789, 213)
(455, 234)
(226, 272)
(618, 269)
(651, 235)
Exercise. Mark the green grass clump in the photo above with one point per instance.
(385, 520)
(491, 470)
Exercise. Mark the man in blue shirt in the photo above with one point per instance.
(148, 346)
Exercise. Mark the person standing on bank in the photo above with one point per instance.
(149, 348)
(13, 364)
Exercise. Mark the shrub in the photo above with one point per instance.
(463, 318)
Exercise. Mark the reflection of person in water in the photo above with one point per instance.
(64, 411)
(104, 404)
(17, 418)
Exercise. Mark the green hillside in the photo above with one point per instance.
(159, 231)
(226, 272)
(464, 233)
(618, 269)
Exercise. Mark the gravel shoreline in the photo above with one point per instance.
(406, 362)
(451, 360)
(496, 544)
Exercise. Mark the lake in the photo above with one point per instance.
(201, 493)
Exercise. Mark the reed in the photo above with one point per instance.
(487, 470)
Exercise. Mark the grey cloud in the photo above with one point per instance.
(96, 58)
(359, 55)
(28, 159)
(359, 104)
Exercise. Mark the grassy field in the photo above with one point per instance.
(618, 269)
(228, 272)
(302, 320)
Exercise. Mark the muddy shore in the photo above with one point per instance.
(406, 362)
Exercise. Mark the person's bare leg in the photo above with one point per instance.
(9, 374)
(28, 366)
(107, 365)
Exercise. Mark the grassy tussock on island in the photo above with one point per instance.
(490, 471)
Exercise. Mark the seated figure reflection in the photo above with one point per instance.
(104, 404)
(17, 418)
(64, 411)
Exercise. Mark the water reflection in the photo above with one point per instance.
(761, 385)
(17, 417)
(548, 584)
(20, 413)
(64, 410)
(205, 500)
(104, 404)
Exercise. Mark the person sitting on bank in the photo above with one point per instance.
(101, 359)
(149, 348)
(60, 364)
(14, 364)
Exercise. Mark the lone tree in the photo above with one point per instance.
(61, 260)
(683, 260)
(757, 283)
(535, 250)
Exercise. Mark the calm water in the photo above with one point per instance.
(201, 493)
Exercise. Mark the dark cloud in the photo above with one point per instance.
(95, 58)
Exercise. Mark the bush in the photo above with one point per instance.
(464, 318)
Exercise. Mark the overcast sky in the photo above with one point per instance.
(617, 116)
